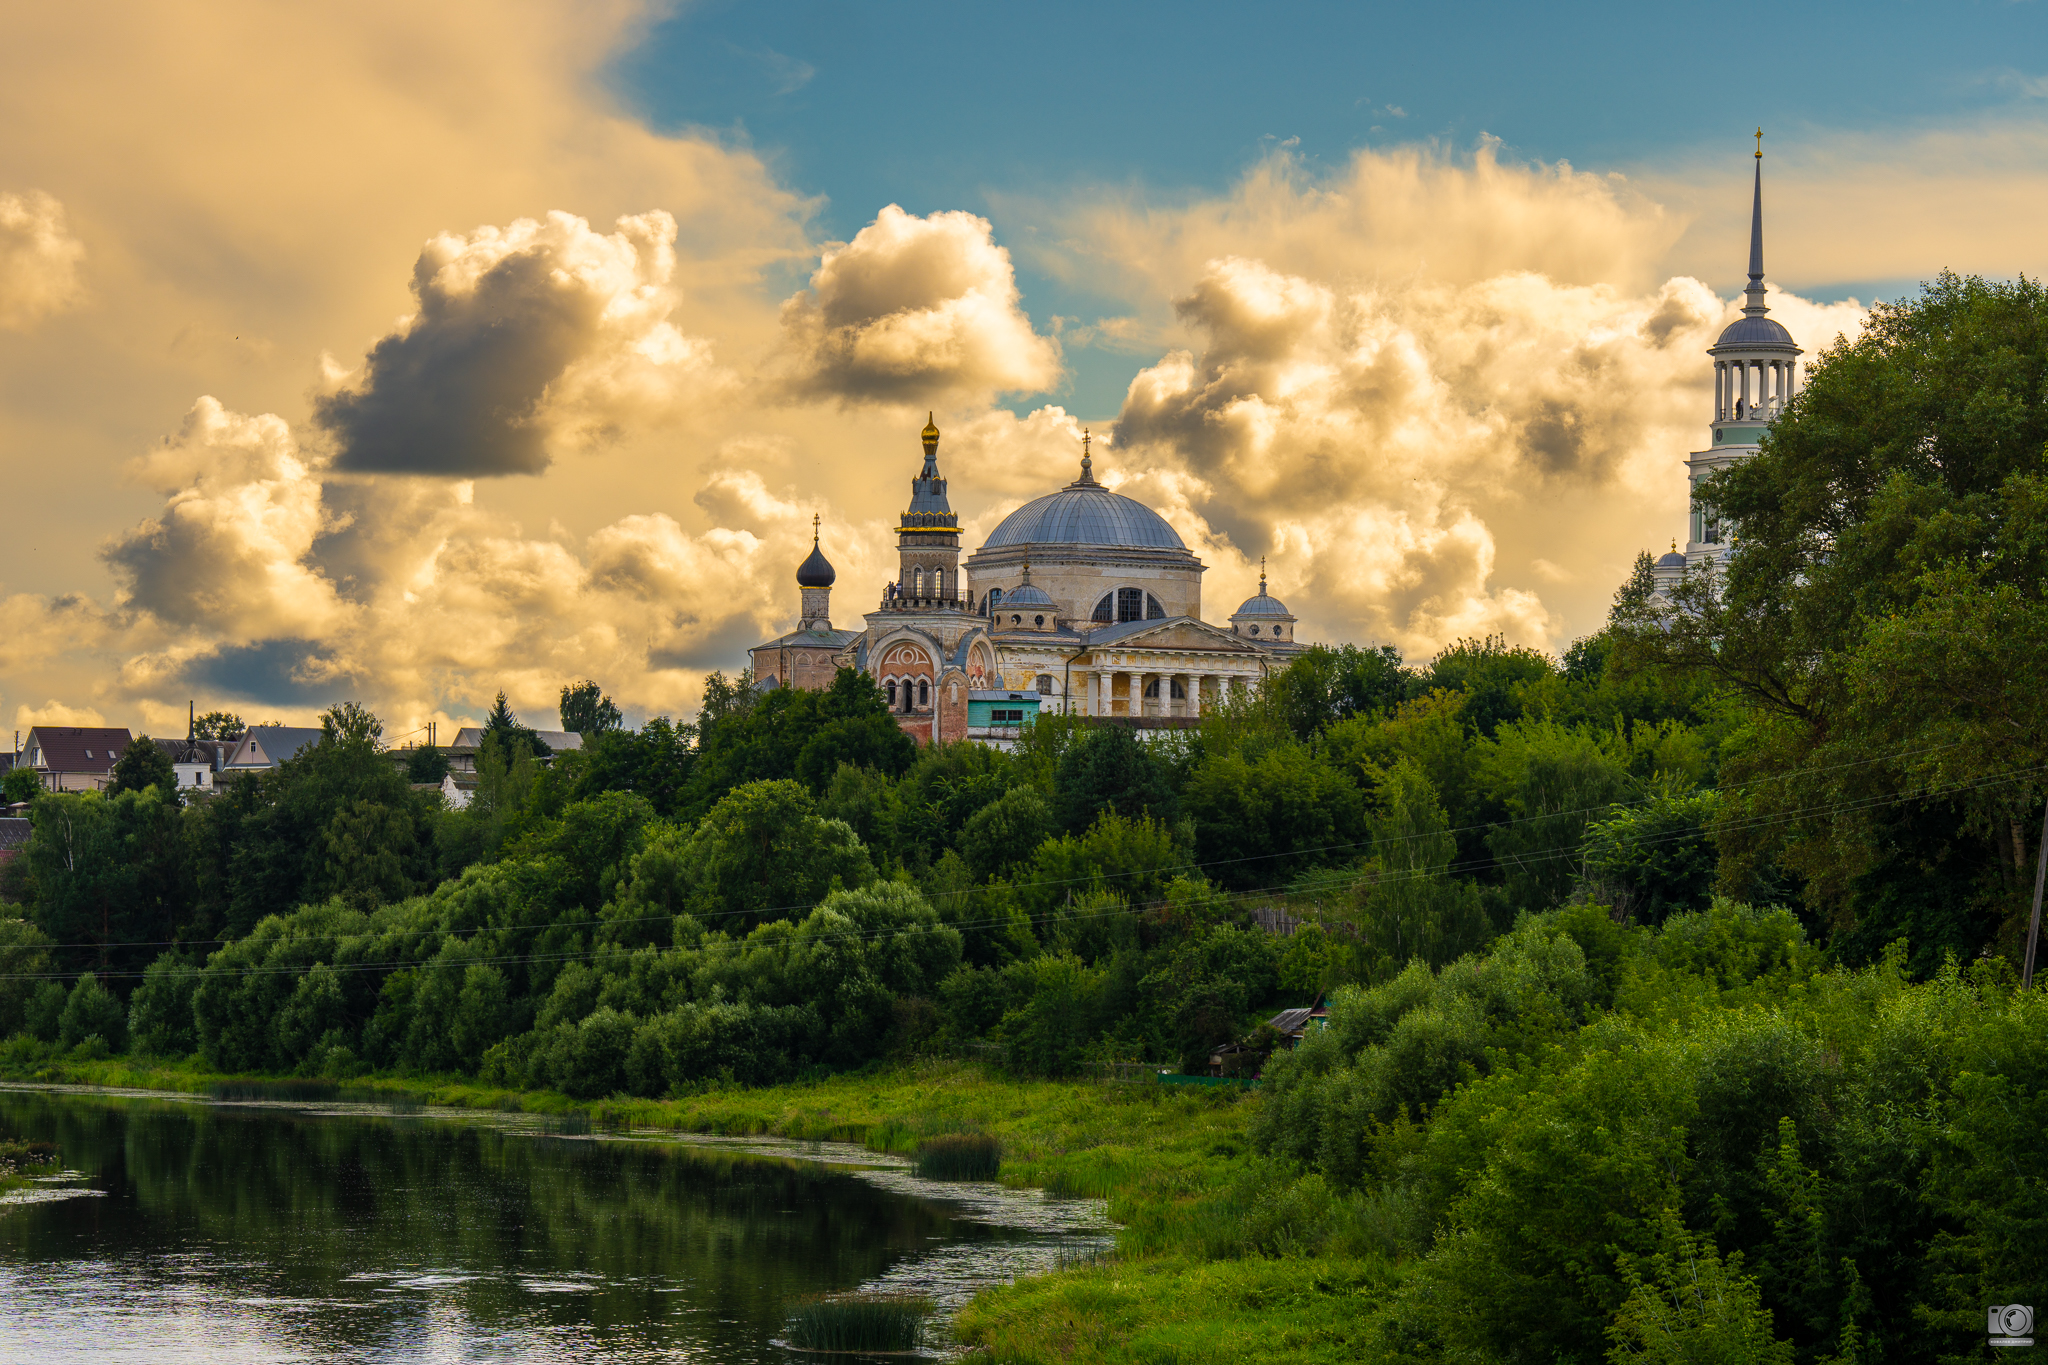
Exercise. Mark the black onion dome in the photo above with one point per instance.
(815, 572)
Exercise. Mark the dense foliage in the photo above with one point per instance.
(1559, 1074)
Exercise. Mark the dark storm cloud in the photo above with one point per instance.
(276, 672)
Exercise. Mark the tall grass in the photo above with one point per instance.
(959, 1156)
(289, 1089)
(882, 1322)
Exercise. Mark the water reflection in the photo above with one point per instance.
(273, 1232)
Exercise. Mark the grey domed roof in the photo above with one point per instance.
(1755, 331)
(1085, 514)
(1027, 595)
(1674, 560)
(1262, 605)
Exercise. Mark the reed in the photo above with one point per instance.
(289, 1089)
(879, 1322)
(959, 1156)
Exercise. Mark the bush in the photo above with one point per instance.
(960, 1156)
(878, 1323)
(160, 1011)
(44, 1009)
(92, 1010)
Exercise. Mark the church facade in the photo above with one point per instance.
(1756, 372)
(1081, 602)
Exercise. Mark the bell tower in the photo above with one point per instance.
(1756, 372)
(928, 541)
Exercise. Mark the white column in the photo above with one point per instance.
(1742, 406)
(1720, 390)
(1099, 703)
(1188, 705)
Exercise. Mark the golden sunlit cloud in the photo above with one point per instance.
(1443, 392)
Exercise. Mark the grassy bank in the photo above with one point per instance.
(1163, 1158)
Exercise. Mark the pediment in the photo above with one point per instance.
(1178, 633)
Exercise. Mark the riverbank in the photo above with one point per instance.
(1173, 1163)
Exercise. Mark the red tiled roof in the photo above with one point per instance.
(74, 748)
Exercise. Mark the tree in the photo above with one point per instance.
(217, 725)
(1259, 820)
(1323, 685)
(141, 765)
(1650, 860)
(1492, 676)
(350, 722)
(764, 853)
(20, 784)
(1413, 907)
(1110, 768)
(584, 711)
(427, 763)
(503, 723)
(1881, 616)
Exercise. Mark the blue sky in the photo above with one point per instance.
(1004, 110)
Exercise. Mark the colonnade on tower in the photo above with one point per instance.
(1756, 373)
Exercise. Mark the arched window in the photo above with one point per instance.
(890, 688)
(1180, 693)
(1016, 620)
(1045, 684)
(1153, 611)
(1152, 688)
(1255, 630)
(1105, 610)
(992, 599)
(924, 692)
(1038, 620)
(1128, 604)
(917, 582)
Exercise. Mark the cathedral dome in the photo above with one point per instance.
(1755, 331)
(1085, 514)
(1028, 595)
(1674, 560)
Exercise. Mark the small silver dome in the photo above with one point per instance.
(1262, 605)
(1674, 560)
(1756, 331)
(1026, 595)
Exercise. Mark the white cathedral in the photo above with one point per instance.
(1756, 370)
(1083, 601)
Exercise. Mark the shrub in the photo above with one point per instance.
(93, 1010)
(960, 1156)
(893, 1322)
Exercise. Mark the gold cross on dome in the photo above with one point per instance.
(1759, 144)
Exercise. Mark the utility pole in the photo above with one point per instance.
(2034, 921)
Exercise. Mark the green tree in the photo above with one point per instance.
(1109, 768)
(1492, 676)
(1006, 832)
(1412, 906)
(1649, 860)
(764, 853)
(427, 763)
(586, 711)
(1259, 821)
(1323, 685)
(109, 873)
(25, 957)
(1694, 1308)
(217, 725)
(350, 722)
(142, 764)
(20, 784)
(93, 1011)
(1891, 518)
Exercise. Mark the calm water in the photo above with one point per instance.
(196, 1231)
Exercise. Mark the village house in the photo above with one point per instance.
(74, 758)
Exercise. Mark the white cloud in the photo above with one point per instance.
(528, 338)
(915, 308)
(38, 259)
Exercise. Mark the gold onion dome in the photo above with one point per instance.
(931, 430)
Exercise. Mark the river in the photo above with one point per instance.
(189, 1229)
